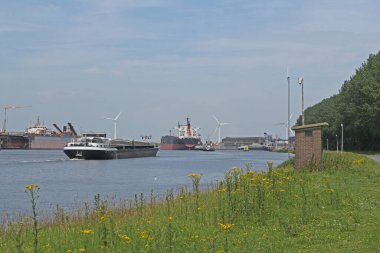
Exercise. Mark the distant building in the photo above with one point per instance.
(235, 142)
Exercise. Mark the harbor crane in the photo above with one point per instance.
(5, 114)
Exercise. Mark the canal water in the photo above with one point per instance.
(70, 183)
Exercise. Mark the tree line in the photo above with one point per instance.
(356, 106)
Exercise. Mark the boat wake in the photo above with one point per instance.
(33, 161)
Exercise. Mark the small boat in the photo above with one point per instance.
(96, 146)
(208, 148)
(244, 148)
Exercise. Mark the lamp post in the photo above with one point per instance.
(337, 143)
(288, 124)
(300, 81)
(342, 138)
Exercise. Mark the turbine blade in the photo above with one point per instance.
(225, 123)
(108, 118)
(117, 116)
(217, 121)
(216, 129)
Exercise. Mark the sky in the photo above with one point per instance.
(161, 61)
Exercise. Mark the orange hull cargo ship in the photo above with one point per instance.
(186, 137)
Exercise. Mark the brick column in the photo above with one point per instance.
(308, 144)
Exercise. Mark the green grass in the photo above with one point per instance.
(330, 207)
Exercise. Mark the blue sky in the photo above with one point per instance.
(160, 61)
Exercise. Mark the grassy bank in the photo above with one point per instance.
(332, 207)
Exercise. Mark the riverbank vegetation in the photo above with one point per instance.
(330, 207)
(356, 106)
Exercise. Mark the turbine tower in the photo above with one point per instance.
(220, 124)
(114, 123)
(287, 127)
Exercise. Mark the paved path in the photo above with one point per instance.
(374, 157)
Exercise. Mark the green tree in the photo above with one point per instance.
(357, 106)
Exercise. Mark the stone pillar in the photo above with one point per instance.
(308, 144)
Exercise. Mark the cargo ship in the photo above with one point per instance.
(38, 136)
(185, 137)
(96, 146)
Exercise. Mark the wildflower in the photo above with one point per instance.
(226, 227)
(69, 251)
(144, 234)
(195, 237)
(195, 176)
(125, 238)
(250, 173)
(282, 190)
(87, 231)
(82, 250)
(222, 189)
(359, 162)
(31, 187)
(170, 218)
(103, 217)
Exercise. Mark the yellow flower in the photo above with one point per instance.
(222, 189)
(282, 190)
(144, 234)
(69, 251)
(32, 187)
(226, 226)
(125, 238)
(82, 250)
(103, 217)
(195, 237)
(170, 218)
(87, 231)
(195, 176)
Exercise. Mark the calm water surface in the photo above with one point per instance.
(67, 182)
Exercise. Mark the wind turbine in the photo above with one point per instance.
(287, 127)
(218, 127)
(114, 123)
